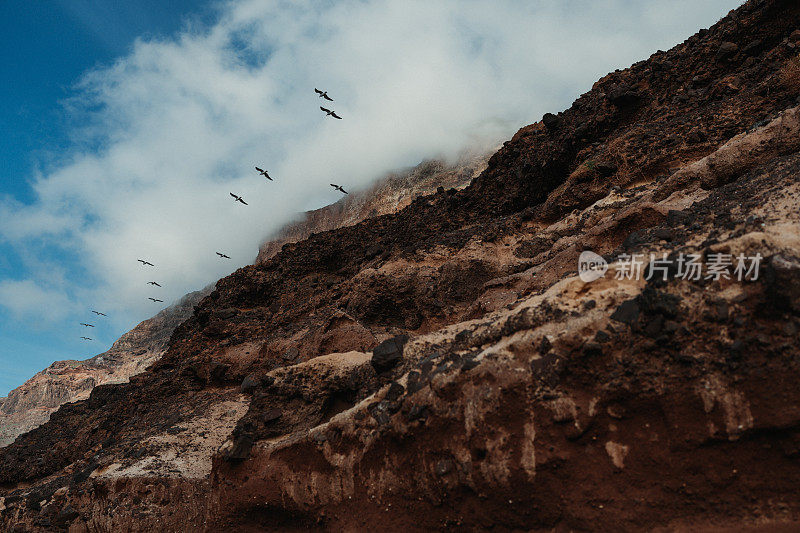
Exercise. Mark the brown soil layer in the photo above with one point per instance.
(524, 397)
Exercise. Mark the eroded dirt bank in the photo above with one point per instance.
(511, 393)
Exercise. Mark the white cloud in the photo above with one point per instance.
(165, 133)
(39, 306)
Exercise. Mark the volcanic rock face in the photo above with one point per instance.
(387, 195)
(524, 397)
(30, 405)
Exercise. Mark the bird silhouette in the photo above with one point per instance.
(153, 283)
(99, 313)
(330, 113)
(87, 325)
(339, 188)
(223, 255)
(155, 299)
(86, 338)
(142, 261)
(323, 94)
(264, 173)
(238, 199)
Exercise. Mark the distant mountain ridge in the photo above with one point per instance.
(31, 404)
(388, 195)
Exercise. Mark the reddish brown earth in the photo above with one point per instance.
(524, 397)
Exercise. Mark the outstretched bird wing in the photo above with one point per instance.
(328, 98)
(326, 110)
(334, 115)
(259, 169)
(240, 200)
(317, 91)
(234, 196)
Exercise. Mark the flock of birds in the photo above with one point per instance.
(98, 313)
(236, 198)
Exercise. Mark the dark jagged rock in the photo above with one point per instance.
(627, 312)
(784, 282)
(551, 121)
(389, 353)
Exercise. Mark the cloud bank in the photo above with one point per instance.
(165, 133)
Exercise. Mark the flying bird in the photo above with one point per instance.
(155, 300)
(323, 94)
(142, 261)
(87, 325)
(339, 188)
(99, 313)
(86, 338)
(223, 255)
(264, 173)
(153, 283)
(330, 113)
(238, 199)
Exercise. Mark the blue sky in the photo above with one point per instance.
(126, 124)
(44, 49)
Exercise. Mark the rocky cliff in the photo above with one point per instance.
(447, 366)
(31, 404)
(388, 195)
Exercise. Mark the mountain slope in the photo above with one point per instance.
(31, 404)
(387, 195)
(444, 366)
